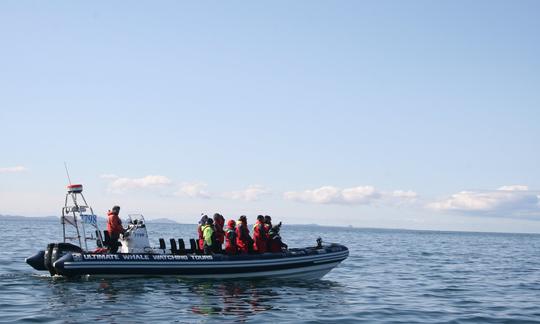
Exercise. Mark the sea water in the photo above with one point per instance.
(390, 276)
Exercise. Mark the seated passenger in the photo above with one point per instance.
(244, 242)
(230, 238)
(267, 227)
(209, 237)
(268, 222)
(276, 244)
(260, 236)
(202, 222)
(219, 222)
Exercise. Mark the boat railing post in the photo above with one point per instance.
(76, 207)
(64, 217)
(64, 224)
(99, 239)
(84, 234)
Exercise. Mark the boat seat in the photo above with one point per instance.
(181, 247)
(162, 245)
(174, 249)
(107, 241)
(106, 238)
(193, 245)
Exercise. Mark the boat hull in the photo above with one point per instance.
(297, 264)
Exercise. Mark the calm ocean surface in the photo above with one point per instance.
(390, 276)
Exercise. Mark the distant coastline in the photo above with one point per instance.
(351, 227)
(57, 218)
(39, 218)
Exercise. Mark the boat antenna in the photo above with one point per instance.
(67, 172)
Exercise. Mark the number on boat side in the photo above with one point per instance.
(89, 219)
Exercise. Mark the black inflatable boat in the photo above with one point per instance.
(310, 263)
(136, 257)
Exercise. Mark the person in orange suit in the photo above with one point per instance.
(219, 222)
(260, 235)
(114, 227)
(244, 242)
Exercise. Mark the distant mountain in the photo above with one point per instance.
(162, 221)
(29, 218)
(57, 218)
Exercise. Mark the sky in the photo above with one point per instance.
(390, 114)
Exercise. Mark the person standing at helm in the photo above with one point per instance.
(230, 238)
(114, 227)
(243, 240)
(260, 236)
(202, 222)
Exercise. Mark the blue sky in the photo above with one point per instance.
(418, 114)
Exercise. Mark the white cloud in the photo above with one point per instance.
(251, 193)
(193, 190)
(409, 194)
(361, 195)
(402, 197)
(14, 169)
(506, 201)
(109, 176)
(323, 195)
(122, 184)
(514, 188)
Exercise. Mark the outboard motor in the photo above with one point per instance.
(47, 258)
(55, 251)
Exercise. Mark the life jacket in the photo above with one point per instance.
(267, 228)
(201, 237)
(230, 241)
(114, 224)
(260, 237)
(243, 240)
(208, 235)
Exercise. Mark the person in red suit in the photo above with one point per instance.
(244, 242)
(260, 235)
(114, 227)
(230, 238)
(275, 244)
(219, 222)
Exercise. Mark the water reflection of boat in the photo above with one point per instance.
(232, 298)
(137, 257)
